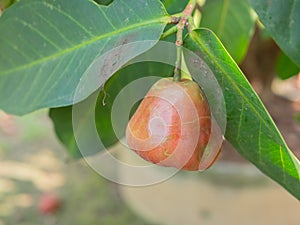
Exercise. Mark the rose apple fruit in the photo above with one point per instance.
(172, 125)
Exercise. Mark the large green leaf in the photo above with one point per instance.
(47, 46)
(250, 128)
(232, 21)
(282, 18)
(102, 110)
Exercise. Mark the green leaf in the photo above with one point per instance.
(62, 117)
(174, 6)
(233, 22)
(250, 128)
(282, 18)
(47, 46)
(285, 68)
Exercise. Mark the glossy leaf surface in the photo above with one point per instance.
(47, 46)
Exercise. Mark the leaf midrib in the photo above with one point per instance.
(162, 20)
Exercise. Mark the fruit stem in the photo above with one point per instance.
(177, 71)
(187, 12)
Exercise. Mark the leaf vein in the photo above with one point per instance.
(130, 9)
(240, 123)
(48, 5)
(282, 164)
(106, 18)
(33, 29)
(53, 27)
